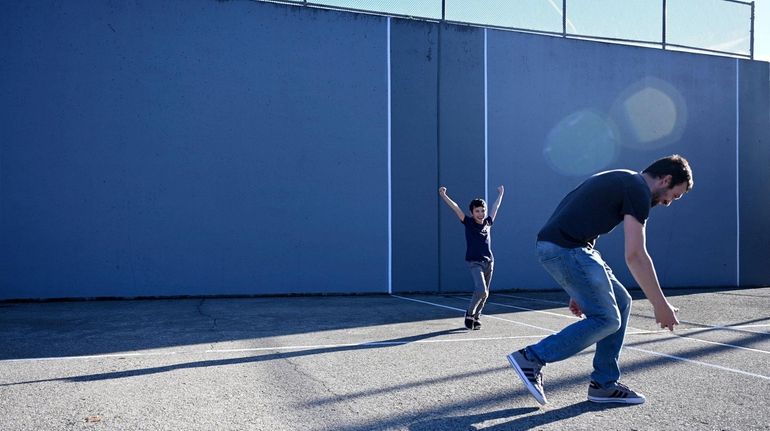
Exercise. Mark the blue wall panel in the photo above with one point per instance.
(414, 155)
(191, 147)
(561, 110)
(754, 151)
(461, 143)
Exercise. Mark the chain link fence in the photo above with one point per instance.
(724, 27)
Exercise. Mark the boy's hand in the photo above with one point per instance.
(501, 190)
(442, 191)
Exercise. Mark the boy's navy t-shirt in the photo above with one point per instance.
(478, 240)
(596, 206)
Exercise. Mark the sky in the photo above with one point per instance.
(714, 24)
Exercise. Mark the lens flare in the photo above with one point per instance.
(582, 143)
(649, 114)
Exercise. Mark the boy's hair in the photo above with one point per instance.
(674, 165)
(478, 202)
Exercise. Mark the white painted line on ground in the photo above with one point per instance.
(737, 328)
(562, 303)
(463, 311)
(723, 344)
(566, 316)
(369, 344)
(679, 358)
(692, 361)
(105, 356)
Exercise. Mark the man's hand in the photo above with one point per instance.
(665, 314)
(442, 191)
(575, 308)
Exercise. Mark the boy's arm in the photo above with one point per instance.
(496, 205)
(451, 204)
(641, 267)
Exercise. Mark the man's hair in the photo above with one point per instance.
(674, 165)
(478, 202)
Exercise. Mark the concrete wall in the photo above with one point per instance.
(218, 148)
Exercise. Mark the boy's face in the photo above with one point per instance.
(479, 214)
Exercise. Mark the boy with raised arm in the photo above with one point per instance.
(478, 251)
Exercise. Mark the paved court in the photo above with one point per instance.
(370, 363)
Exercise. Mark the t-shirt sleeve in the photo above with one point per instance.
(636, 202)
(465, 219)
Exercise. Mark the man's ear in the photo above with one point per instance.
(666, 180)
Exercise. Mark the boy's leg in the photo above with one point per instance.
(488, 270)
(606, 367)
(481, 272)
(581, 273)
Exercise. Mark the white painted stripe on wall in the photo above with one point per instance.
(737, 176)
(486, 134)
(390, 195)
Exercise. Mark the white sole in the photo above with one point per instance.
(530, 387)
(616, 400)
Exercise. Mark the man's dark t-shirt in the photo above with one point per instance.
(478, 240)
(596, 206)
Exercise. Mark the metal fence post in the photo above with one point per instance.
(751, 46)
(443, 10)
(663, 40)
(563, 18)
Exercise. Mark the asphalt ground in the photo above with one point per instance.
(354, 363)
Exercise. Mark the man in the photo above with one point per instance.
(565, 247)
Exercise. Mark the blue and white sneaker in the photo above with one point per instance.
(530, 374)
(615, 393)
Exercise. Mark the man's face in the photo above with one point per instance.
(664, 195)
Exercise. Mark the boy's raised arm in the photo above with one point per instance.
(451, 204)
(496, 205)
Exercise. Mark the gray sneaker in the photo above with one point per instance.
(616, 393)
(530, 374)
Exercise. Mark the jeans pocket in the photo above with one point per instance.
(555, 267)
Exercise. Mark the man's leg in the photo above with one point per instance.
(606, 367)
(582, 274)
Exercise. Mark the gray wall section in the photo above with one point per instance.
(461, 143)
(213, 148)
(414, 162)
(191, 147)
(558, 108)
(754, 151)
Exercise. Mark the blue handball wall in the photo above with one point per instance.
(203, 147)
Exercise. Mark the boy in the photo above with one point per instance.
(478, 252)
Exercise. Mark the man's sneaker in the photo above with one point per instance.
(476, 324)
(468, 321)
(530, 374)
(616, 393)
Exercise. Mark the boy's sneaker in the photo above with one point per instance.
(468, 321)
(530, 374)
(616, 393)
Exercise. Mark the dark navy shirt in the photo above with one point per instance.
(596, 206)
(478, 239)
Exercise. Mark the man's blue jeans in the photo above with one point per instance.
(606, 304)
